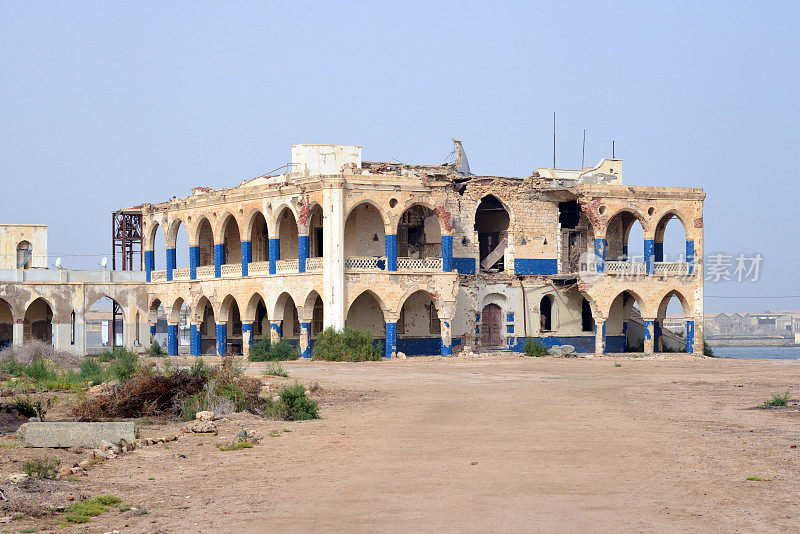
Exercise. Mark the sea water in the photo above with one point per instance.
(759, 353)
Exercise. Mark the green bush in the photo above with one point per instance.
(534, 348)
(348, 345)
(33, 408)
(264, 351)
(83, 511)
(777, 399)
(275, 369)
(199, 368)
(293, 405)
(156, 350)
(123, 365)
(707, 350)
(41, 467)
(92, 372)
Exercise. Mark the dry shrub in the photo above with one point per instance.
(145, 393)
(30, 351)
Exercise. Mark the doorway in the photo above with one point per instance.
(490, 325)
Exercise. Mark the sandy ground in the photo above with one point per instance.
(491, 444)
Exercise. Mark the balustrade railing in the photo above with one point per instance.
(180, 274)
(205, 271)
(231, 270)
(358, 262)
(672, 268)
(313, 264)
(625, 267)
(419, 264)
(287, 266)
(156, 276)
(258, 267)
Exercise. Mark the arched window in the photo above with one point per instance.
(491, 223)
(24, 255)
(546, 313)
(587, 321)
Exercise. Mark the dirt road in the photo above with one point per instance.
(489, 445)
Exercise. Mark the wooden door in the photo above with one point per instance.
(490, 325)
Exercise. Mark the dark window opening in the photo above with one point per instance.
(491, 223)
(546, 313)
(569, 213)
(587, 321)
(412, 242)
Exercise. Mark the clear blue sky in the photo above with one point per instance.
(111, 104)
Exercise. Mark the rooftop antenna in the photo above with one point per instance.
(554, 139)
(613, 149)
(583, 149)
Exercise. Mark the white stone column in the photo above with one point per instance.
(333, 255)
(18, 333)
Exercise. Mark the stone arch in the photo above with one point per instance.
(618, 230)
(637, 298)
(39, 320)
(306, 214)
(493, 307)
(174, 315)
(287, 231)
(202, 237)
(6, 324)
(256, 314)
(417, 237)
(150, 233)
(313, 310)
(24, 254)
(688, 311)
(492, 225)
(362, 313)
(364, 222)
(548, 313)
(419, 329)
(287, 314)
(661, 230)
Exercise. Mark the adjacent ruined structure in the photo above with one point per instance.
(428, 258)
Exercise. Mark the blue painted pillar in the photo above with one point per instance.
(274, 254)
(247, 256)
(219, 255)
(648, 336)
(391, 339)
(690, 337)
(600, 253)
(658, 251)
(690, 255)
(302, 251)
(222, 339)
(391, 252)
(447, 253)
(648, 256)
(152, 331)
(305, 340)
(656, 335)
(149, 263)
(172, 259)
(196, 342)
(447, 339)
(194, 261)
(172, 339)
(276, 329)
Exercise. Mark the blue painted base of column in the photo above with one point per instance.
(194, 337)
(194, 262)
(447, 253)
(690, 337)
(305, 330)
(625, 334)
(690, 255)
(152, 330)
(247, 256)
(600, 254)
(649, 256)
(222, 339)
(656, 335)
(391, 252)
(276, 327)
(219, 254)
(391, 339)
(274, 254)
(302, 252)
(172, 339)
(172, 259)
(149, 263)
(447, 348)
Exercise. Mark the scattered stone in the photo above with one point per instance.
(205, 416)
(65, 472)
(100, 454)
(18, 478)
(89, 435)
(556, 350)
(201, 427)
(401, 355)
(567, 349)
(34, 420)
(84, 464)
